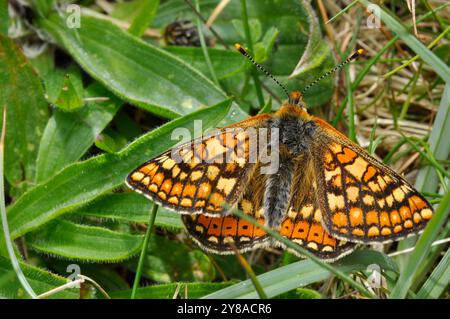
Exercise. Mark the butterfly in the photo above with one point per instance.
(326, 194)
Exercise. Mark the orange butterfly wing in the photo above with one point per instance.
(217, 234)
(363, 200)
(303, 221)
(204, 175)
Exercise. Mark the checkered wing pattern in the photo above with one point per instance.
(364, 200)
(303, 221)
(205, 176)
(218, 234)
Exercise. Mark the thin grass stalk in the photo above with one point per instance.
(306, 253)
(248, 38)
(416, 57)
(144, 250)
(8, 241)
(244, 263)
(204, 47)
(422, 249)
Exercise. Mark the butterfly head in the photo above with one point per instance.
(296, 99)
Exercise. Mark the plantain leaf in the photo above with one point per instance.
(129, 207)
(136, 71)
(27, 112)
(317, 50)
(66, 239)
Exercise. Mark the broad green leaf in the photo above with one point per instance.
(146, 11)
(131, 207)
(438, 281)
(136, 71)
(66, 239)
(171, 261)
(317, 50)
(167, 291)
(225, 63)
(81, 182)
(68, 135)
(301, 274)
(418, 47)
(27, 112)
(41, 281)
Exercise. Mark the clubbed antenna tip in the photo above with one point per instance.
(352, 57)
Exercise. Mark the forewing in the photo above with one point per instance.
(364, 200)
(204, 176)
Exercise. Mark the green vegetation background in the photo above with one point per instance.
(90, 104)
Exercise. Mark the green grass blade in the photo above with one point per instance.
(144, 250)
(81, 182)
(348, 7)
(438, 281)
(301, 274)
(40, 280)
(130, 207)
(426, 54)
(66, 239)
(422, 248)
(427, 179)
(146, 13)
(4, 220)
(68, 135)
(23, 93)
(300, 250)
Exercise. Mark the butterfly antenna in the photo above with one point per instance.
(352, 57)
(248, 56)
